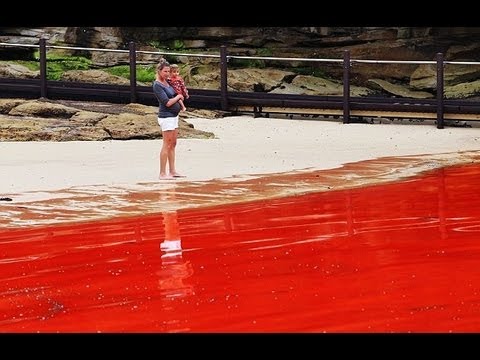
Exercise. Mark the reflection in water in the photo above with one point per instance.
(175, 270)
(172, 245)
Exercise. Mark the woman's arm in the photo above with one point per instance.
(173, 100)
(163, 98)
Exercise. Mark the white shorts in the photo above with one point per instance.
(169, 123)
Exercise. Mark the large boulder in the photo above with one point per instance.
(42, 109)
(425, 76)
(399, 90)
(34, 120)
(17, 71)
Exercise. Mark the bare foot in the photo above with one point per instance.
(184, 109)
(165, 177)
(176, 175)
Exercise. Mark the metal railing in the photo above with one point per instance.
(223, 56)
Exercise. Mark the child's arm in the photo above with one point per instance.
(185, 90)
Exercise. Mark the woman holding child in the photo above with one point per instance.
(170, 104)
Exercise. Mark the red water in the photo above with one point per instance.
(400, 257)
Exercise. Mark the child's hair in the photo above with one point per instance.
(163, 63)
(174, 66)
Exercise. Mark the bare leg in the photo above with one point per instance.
(173, 171)
(171, 160)
(165, 153)
(182, 105)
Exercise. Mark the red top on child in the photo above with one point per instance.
(176, 81)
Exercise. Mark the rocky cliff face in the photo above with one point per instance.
(373, 43)
(406, 43)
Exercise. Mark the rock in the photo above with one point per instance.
(8, 104)
(62, 120)
(88, 117)
(463, 90)
(141, 109)
(94, 77)
(42, 109)
(400, 90)
(17, 71)
(425, 76)
(129, 126)
(319, 86)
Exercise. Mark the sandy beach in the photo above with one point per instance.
(249, 159)
(243, 146)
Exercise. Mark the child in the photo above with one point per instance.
(176, 81)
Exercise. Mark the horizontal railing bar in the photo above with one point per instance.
(281, 58)
(364, 61)
(177, 54)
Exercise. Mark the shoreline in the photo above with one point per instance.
(97, 202)
(250, 159)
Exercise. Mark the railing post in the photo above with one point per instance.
(440, 91)
(223, 77)
(43, 68)
(133, 72)
(346, 87)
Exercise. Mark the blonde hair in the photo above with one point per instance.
(174, 66)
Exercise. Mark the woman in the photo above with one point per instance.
(169, 107)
